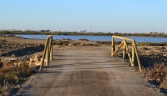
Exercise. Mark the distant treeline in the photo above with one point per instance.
(81, 33)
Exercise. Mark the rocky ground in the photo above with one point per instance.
(17, 46)
(19, 49)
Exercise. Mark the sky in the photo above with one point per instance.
(75, 15)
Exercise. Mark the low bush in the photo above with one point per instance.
(158, 74)
(152, 44)
(61, 42)
(2, 40)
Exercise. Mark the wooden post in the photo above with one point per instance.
(137, 56)
(47, 54)
(128, 54)
(113, 46)
(44, 53)
(124, 49)
(133, 53)
(51, 48)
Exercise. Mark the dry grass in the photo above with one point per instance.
(10, 75)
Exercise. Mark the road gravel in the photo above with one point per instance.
(87, 71)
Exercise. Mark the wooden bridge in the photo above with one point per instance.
(86, 71)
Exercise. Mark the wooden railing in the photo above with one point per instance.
(126, 50)
(48, 52)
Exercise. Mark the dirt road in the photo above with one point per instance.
(87, 71)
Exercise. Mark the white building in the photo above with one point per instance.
(83, 30)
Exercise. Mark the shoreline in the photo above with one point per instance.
(83, 33)
(92, 38)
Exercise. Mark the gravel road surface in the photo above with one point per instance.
(87, 71)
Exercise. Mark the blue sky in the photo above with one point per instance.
(74, 15)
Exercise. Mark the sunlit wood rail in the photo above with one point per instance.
(126, 50)
(48, 52)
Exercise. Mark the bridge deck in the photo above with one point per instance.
(87, 71)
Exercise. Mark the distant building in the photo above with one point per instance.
(27, 30)
(148, 32)
(11, 30)
(52, 30)
(45, 30)
(161, 32)
(155, 33)
(82, 30)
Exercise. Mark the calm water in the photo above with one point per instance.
(97, 38)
